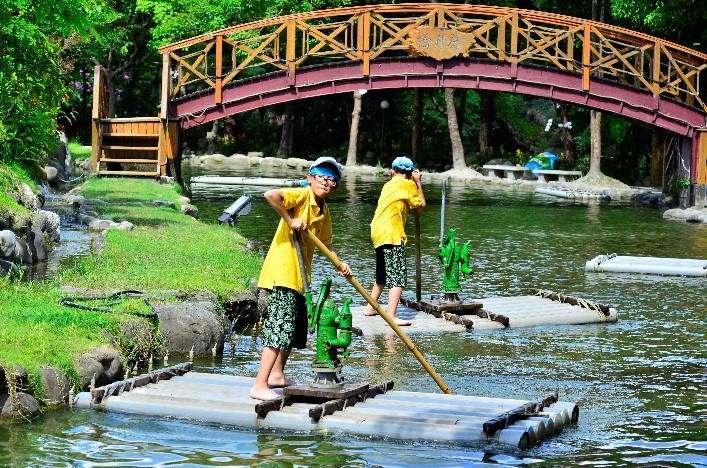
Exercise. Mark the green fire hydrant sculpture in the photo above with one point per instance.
(455, 260)
(333, 327)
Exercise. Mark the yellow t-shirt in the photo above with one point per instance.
(397, 197)
(281, 266)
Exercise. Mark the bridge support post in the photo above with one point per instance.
(699, 168)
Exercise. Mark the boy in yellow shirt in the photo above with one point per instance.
(403, 192)
(286, 321)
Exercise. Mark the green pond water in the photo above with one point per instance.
(640, 383)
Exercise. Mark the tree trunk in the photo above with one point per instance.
(353, 134)
(211, 138)
(485, 118)
(456, 139)
(285, 148)
(595, 144)
(110, 88)
(417, 107)
(656, 170)
(595, 116)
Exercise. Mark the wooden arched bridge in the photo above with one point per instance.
(266, 62)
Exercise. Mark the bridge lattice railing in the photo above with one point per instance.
(219, 59)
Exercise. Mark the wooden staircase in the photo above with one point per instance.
(133, 146)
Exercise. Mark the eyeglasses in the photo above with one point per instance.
(324, 180)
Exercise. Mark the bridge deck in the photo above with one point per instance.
(458, 419)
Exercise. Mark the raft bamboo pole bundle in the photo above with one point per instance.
(354, 282)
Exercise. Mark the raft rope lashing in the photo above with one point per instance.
(578, 301)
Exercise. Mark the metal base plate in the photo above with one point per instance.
(436, 306)
(344, 391)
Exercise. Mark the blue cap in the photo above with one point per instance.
(403, 163)
(326, 165)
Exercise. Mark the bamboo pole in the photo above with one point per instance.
(354, 282)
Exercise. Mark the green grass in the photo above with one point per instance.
(123, 190)
(166, 250)
(38, 331)
(78, 151)
(11, 178)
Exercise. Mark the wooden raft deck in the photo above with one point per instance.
(401, 415)
(497, 313)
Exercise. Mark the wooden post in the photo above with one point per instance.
(97, 114)
(218, 91)
(163, 139)
(655, 76)
(699, 143)
(365, 41)
(290, 50)
(586, 56)
(514, 46)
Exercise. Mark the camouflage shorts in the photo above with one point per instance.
(286, 320)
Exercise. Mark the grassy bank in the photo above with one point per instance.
(166, 250)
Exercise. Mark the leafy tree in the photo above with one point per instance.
(32, 86)
(681, 21)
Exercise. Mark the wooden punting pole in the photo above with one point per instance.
(354, 282)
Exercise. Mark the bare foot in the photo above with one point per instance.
(264, 394)
(401, 322)
(279, 383)
(369, 312)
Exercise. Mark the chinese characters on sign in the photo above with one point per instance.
(441, 43)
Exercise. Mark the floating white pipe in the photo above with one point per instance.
(656, 265)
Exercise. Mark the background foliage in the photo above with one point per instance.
(48, 51)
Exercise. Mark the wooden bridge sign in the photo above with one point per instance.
(441, 43)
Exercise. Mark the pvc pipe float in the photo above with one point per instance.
(663, 266)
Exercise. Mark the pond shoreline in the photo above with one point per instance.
(616, 192)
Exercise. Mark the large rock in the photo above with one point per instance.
(8, 239)
(104, 363)
(49, 223)
(23, 253)
(56, 386)
(38, 245)
(200, 325)
(14, 401)
(18, 405)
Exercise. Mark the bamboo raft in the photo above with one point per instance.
(657, 265)
(492, 313)
(368, 410)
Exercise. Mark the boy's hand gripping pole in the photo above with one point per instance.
(354, 282)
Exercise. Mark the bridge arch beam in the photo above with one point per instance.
(606, 96)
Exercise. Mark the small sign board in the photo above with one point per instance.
(441, 43)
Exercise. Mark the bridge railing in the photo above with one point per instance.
(219, 59)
